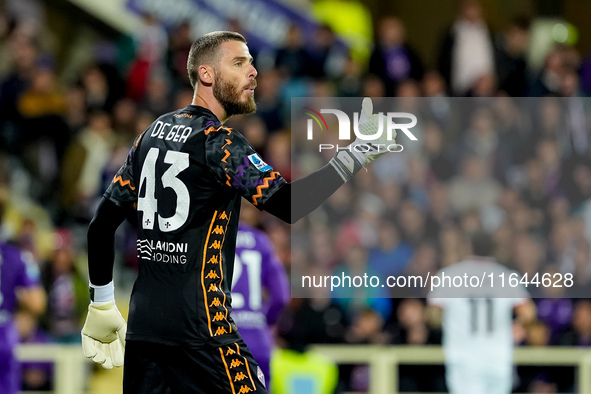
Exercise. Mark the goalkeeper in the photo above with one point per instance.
(183, 180)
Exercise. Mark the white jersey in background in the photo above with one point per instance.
(478, 328)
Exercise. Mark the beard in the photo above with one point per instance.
(228, 94)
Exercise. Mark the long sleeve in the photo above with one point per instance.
(297, 199)
(101, 241)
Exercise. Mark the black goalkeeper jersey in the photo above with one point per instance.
(186, 175)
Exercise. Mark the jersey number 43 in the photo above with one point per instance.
(148, 204)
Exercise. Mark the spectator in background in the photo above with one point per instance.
(179, 44)
(411, 325)
(156, 99)
(76, 113)
(44, 133)
(351, 20)
(527, 254)
(269, 100)
(424, 262)
(577, 132)
(125, 114)
(328, 56)
(467, 51)
(391, 255)
(481, 139)
(560, 60)
(511, 58)
(392, 59)
(414, 224)
(373, 86)
(293, 59)
(151, 44)
(279, 153)
(556, 314)
(439, 209)
(85, 159)
(99, 95)
(367, 328)
(453, 245)
(580, 333)
(353, 299)
(349, 84)
(24, 51)
(254, 129)
(66, 290)
(441, 166)
(537, 334)
(549, 154)
(327, 321)
(474, 188)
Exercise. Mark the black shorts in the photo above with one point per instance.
(155, 368)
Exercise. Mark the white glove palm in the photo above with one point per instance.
(103, 335)
(362, 152)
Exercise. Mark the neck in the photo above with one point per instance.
(206, 100)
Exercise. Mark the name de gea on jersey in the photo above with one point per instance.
(176, 133)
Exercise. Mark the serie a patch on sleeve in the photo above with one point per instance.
(260, 165)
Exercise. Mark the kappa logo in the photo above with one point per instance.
(260, 165)
(220, 331)
(213, 260)
(212, 275)
(244, 389)
(240, 376)
(216, 302)
(213, 287)
(218, 317)
(218, 230)
(230, 351)
(216, 245)
(236, 363)
(223, 216)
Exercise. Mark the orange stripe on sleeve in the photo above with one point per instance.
(122, 182)
(265, 185)
(225, 158)
(139, 139)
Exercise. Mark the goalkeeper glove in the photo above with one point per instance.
(359, 153)
(103, 334)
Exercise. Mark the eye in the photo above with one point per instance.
(238, 64)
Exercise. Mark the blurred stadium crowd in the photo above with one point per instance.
(523, 175)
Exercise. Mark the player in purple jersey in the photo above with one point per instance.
(19, 287)
(259, 292)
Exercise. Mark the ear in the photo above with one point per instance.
(206, 74)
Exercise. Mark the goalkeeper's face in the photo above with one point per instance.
(235, 81)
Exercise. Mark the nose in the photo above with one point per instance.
(252, 72)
